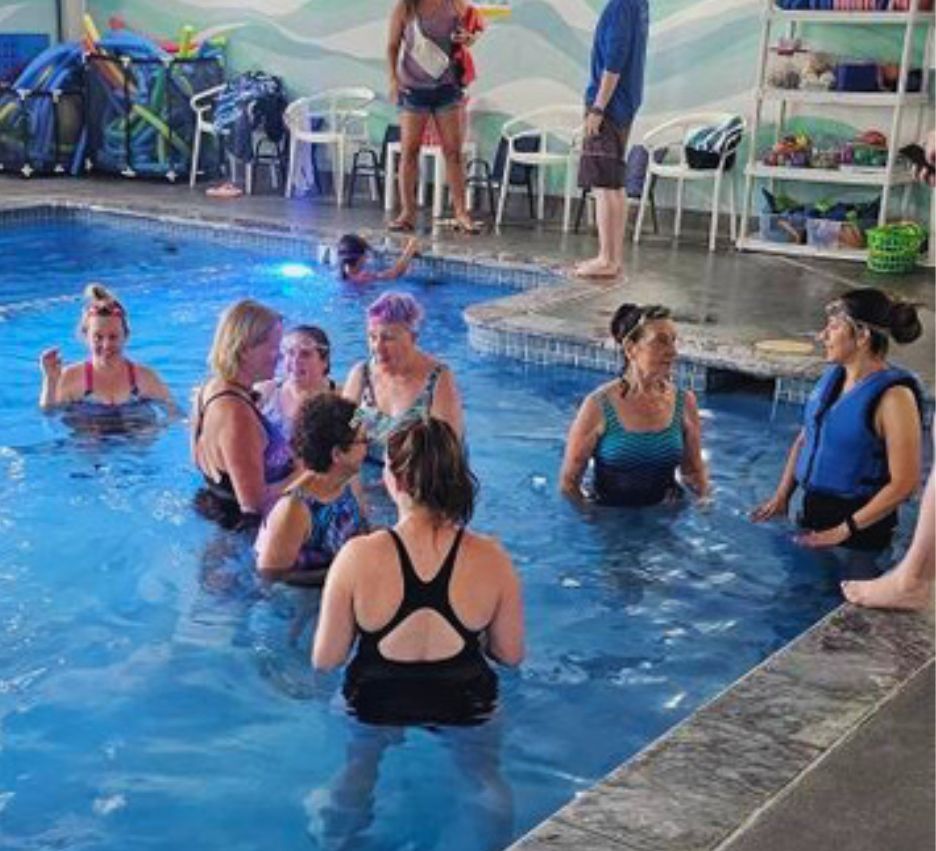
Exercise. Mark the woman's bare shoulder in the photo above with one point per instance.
(485, 550)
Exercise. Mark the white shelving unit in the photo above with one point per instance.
(892, 106)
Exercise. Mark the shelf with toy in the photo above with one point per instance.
(792, 77)
(755, 243)
(857, 176)
(831, 97)
(833, 17)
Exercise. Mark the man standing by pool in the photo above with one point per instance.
(612, 98)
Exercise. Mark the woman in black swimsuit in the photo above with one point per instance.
(429, 603)
(427, 600)
(244, 458)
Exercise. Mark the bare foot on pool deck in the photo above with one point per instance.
(890, 591)
(596, 268)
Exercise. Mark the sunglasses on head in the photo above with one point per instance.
(104, 309)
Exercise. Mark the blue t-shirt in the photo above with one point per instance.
(621, 48)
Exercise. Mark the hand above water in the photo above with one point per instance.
(776, 506)
(50, 362)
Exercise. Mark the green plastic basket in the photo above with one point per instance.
(894, 248)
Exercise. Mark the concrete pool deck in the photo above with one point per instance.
(774, 761)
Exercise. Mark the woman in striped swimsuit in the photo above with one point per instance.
(638, 428)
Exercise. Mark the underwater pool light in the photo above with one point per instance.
(295, 270)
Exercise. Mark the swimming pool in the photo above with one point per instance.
(154, 696)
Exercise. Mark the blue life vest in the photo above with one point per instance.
(842, 455)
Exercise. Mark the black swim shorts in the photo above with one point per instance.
(602, 162)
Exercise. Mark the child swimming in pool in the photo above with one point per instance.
(353, 251)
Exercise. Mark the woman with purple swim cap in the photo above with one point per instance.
(400, 382)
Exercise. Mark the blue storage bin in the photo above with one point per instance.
(857, 77)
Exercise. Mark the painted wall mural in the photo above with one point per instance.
(702, 53)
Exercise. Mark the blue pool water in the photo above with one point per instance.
(153, 695)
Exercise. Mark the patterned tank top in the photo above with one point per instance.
(637, 467)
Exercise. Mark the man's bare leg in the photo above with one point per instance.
(610, 211)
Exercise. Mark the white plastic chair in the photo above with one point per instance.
(343, 113)
(673, 134)
(559, 130)
(202, 104)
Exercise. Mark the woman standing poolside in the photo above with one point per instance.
(425, 601)
(107, 379)
(425, 84)
(638, 428)
(311, 521)
(306, 354)
(400, 383)
(242, 455)
(857, 457)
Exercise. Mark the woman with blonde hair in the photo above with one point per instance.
(244, 458)
(107, 379)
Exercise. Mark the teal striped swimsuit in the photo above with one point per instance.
(637, 467)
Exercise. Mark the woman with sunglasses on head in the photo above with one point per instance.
(857, 457)
(306, 352)
(107, 379)
(639, 428)
(322, 510)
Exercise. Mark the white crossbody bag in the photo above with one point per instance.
(427, 54)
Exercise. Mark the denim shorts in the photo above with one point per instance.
(437, 99)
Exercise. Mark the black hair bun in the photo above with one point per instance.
(624, 320)
(904, 322)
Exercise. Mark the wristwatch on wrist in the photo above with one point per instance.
(596, 110)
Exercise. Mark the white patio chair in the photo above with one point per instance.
(673, 134)
(343, 115)
(202, 104)
(559, 131)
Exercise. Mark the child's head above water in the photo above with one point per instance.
(352, 249)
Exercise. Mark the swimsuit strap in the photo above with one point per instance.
(132, 376)
(431, 381)
(368, 396)
(237, 394)
(418, 594)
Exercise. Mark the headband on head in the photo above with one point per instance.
(839, 308)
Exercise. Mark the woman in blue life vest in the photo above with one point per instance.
(857, 457)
